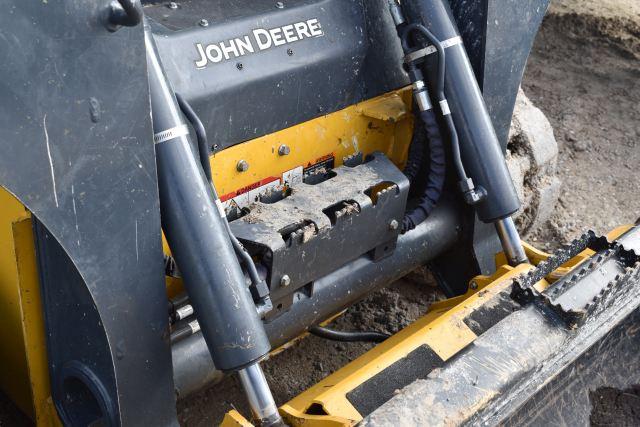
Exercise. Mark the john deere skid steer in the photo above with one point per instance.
(188, 186)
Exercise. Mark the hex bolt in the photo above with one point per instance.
(203, 23)
(474, 285)
(284, 150)
(242, 166)
(173, 5)
(285, 280)
(279, 5)
(393, 225)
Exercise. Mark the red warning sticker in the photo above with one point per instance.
(244, 196)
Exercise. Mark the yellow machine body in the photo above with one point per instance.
(380, 124)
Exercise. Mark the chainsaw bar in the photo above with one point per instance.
(589, 286)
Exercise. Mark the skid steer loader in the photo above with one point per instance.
(188, 186)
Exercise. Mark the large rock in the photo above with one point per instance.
(532, 155)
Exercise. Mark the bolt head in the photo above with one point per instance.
(279, 5)
(290, 52)
(474, 285)
(173, 5)
(242, 166)
(203, 23)
(284, 150)
(285, 280)
(239, 66)
(393, 225)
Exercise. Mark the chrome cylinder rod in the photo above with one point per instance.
(263, 407)
(510, 240)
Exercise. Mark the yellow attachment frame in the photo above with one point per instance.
(442, 329)
(24, 373)
(380, 124)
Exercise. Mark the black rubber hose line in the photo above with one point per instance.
(350, 336)
(440, 94)
(181, 333)
(435, 178)
(416, 153)
(201, 134)
(129, 13)
(404, 39)
(203, 151)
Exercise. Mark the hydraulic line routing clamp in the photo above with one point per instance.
(475, 146)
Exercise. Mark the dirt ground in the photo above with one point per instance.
(312, 358)
(612, 407)
(584, 73)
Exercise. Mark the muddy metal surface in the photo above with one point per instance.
(584, 74)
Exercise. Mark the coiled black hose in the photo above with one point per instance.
(356, 336)
(416, 152)
(437, 169)
(203, 150)
(440, 95)
(435, 178)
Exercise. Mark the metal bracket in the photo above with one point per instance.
(320, 227)
(430, 50)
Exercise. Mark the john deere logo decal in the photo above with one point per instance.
(258, 40)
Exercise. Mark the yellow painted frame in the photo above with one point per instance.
(380, 124)
(24, 372)
(442, 329)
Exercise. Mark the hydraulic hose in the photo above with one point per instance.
(436, 175)
(435, 178)
(125, 12)
(416, 152)
(246, 258)
(184, 331)
(404, 40)
(203, 151)
(440, 94)
(201, 134)
(344, 336)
